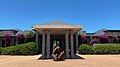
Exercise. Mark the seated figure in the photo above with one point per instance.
(58, 53)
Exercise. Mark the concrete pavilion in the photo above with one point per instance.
(57, 32)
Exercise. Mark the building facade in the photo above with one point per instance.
(13, 33)
(49, 34)
(113, 35)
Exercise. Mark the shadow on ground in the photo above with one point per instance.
(75, 57)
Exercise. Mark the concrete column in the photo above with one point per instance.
(43, 45)
(91, 37)
(37, 36)
(12, 42)
(0, 42)
(16, 42)
(117, 38)
(48, 44)
(76, 36)
(109, 40)
(72, 46)
(67, 44)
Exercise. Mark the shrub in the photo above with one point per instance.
(12, 50)
(86, 49)
(20, 38)
(92, 42)
(99, 49)
(22, 49)
(103, 38)
(1, 50)
(28, 49)
(84, 39)
(107, 49)
(7, 39)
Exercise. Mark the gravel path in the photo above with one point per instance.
(88, 61)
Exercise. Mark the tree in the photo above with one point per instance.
(29, 37)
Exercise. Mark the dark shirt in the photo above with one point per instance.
(58, 51)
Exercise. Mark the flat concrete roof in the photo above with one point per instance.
(56, 24)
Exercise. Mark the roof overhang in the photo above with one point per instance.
(56, 27)
(57, 30)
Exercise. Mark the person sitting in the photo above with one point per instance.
(58, 53)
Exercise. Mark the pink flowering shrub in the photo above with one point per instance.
(83, 39)
(92, 42)
(103, 38)
(20, 38)
(7, 39)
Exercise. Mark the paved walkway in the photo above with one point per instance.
(89, 61)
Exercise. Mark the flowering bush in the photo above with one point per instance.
(92, 42)
(20, 38)
(103, 38)
(84, 39)
(7, 39)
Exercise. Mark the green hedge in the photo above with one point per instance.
(1, 49)
(22, 49)
(107, 49)
(86, 49)
(99, 49)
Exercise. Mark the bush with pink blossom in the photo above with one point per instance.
(83, 39)
(7, 39)
(103, 38)
(92, 42)
(20, 38)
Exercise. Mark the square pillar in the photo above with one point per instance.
(72, 46)
(67, 44)
(12, 42)
(48, 44)
(37, 36)
(16, 41)
(0, 42)
(76, 36)
(43, 44)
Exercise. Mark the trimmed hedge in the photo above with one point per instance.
(1, 49)
(22, 49)
(86, 49)
(107, 49)
(99, 49)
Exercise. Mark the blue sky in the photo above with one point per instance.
(91, 14)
